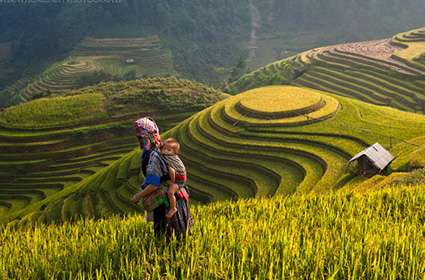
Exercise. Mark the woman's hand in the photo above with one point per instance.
(136, 198)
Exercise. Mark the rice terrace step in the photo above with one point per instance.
(281, 106)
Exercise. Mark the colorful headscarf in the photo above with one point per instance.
(147, 128)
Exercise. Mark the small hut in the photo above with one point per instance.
(129, 60)
(372, 160)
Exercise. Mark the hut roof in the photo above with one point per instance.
(380, 157)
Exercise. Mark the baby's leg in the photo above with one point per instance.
(172, 199)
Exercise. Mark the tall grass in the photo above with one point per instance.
(379, 235)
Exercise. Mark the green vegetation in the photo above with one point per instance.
(57, 78)
(198, 40)
(267, 141)
(413, 44)
(248, 153)
(96, 77)
(378, 235)
(416, 177)
(280, 148)
(272, 74)
(410, 155)
(145, 56)
(57, 151)
(300, 146)
(117, 100)
(55, 112)
(271, 100)
(93, 61)
(377, 72)
(6, 73)
(279, 106)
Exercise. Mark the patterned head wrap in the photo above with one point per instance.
(146, 128)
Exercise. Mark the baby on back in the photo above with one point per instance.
(169, 151)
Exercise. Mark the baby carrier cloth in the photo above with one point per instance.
(159, 196)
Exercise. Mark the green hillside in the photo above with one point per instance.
(269, 102)
(51, 145)
(281, 140)
(205, 40)
(387, 72)
(56, 112)
(263, 142)
(412, 44)
(250, 145)
(378, 235)
(273, 140)
(92, 61)
(146, 55)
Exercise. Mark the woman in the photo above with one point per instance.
(155, 171)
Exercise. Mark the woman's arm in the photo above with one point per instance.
(147, 191)
(153, 177)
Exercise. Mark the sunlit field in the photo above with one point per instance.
(379, 235)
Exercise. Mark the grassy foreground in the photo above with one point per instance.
(378, 235)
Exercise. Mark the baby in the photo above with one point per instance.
(169, 152)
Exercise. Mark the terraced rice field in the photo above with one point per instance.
(56, 112)
(413, 45)
(266, 141)
(95, 54)
(372, 71)
(38, 164)
(146, 54)
(58, 170)
(243, 147)
(57, 79)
